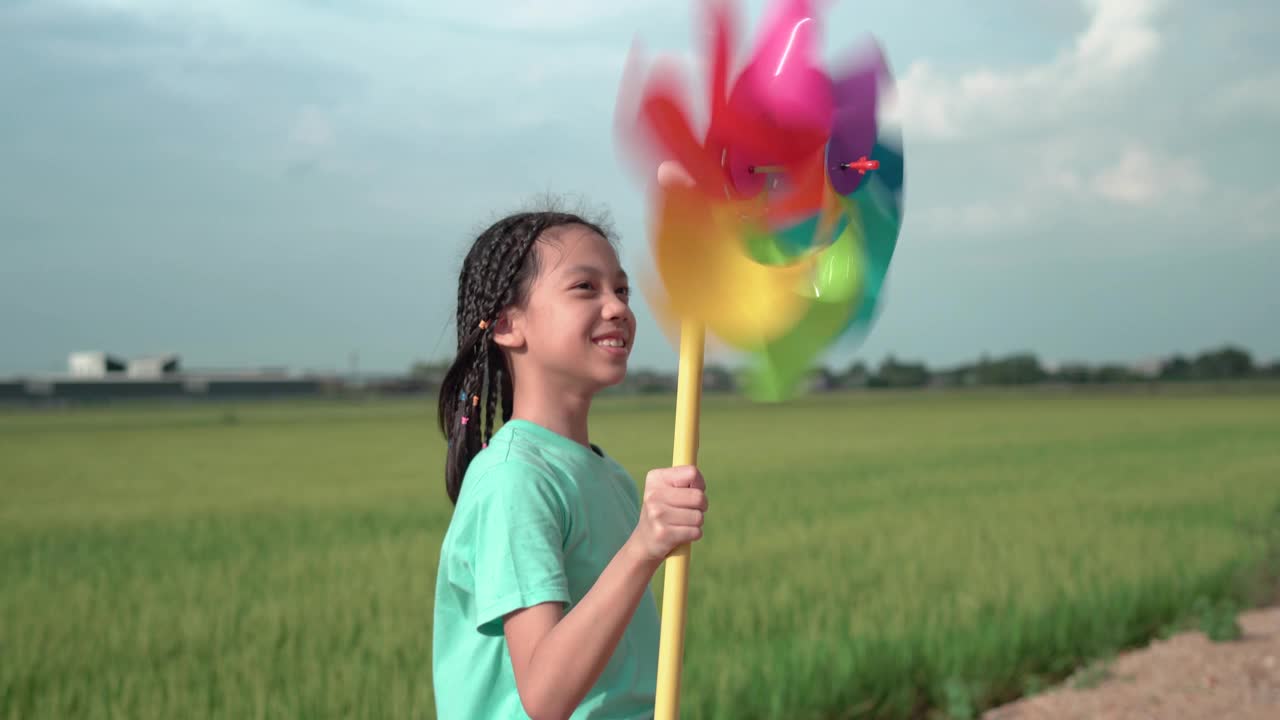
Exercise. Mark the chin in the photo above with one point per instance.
(611, 376)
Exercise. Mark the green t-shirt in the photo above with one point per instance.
(538, 518)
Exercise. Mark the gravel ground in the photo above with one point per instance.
(1186, 677)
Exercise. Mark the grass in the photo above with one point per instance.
(871, 555)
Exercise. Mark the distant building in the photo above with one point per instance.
(96, 376)
(153, 366)
(1147, 368)
(98, 364)
(93, 364)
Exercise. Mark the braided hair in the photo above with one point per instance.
(497, 273)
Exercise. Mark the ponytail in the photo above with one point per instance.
(468, 403)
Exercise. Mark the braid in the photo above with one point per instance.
(495, 275)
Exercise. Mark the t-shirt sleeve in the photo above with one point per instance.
(519, 544)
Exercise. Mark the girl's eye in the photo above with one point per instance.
(624, 290)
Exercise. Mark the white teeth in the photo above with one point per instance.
(611, 342)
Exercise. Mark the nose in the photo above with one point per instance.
(615, 308)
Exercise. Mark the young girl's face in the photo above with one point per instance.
(577, 325)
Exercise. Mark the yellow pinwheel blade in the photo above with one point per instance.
(708, 275)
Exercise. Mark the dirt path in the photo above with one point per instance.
(1186, 677)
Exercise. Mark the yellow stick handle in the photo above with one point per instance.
(675, 582)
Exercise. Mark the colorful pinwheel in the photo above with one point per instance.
(778, 242)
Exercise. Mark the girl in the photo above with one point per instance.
(543, 607)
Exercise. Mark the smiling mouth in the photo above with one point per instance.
(611, 342)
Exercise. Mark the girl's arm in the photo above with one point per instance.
(557, 657)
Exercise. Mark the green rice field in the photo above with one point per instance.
(879, 555)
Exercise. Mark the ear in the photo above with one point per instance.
(508, 331)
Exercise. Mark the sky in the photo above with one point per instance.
(290, 184)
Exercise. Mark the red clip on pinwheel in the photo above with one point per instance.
(778, 241)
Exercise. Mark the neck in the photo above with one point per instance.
(557, 408)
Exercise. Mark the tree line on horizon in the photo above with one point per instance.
(1016, 369)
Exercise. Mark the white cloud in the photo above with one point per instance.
(1060, 180)
(1119, 36)
(1072, 142)
(1041, 140)
(1141, 178)
(1119, 39)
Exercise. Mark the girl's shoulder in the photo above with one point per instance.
(514, 474)
(506, 461)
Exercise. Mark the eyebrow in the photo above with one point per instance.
(593, 271)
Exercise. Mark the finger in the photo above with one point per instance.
(689, 534)
(684, 498)
(682, 517)
(683, 476)
(677, 535)
(654, 481)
